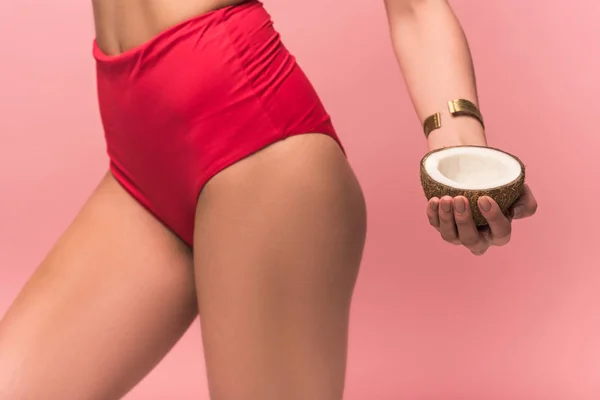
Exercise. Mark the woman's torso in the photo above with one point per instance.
(122, 25)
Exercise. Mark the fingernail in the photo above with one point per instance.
(485, 204)
(459, 205)
(518, 211)
(446, 205)
(433, 205)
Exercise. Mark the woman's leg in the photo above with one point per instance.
(279, 239)
(108, 302)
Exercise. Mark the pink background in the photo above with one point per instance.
(429, 320)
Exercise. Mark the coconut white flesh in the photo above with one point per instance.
(472, 168)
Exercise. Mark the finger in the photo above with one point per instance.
(447, 225)
(480, 252)
(499, 225)
(526, 205)
(468, 234)
(484, 231)
(432, 212)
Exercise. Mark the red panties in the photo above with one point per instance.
(197, 98)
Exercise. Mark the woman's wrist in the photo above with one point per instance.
(457, 131)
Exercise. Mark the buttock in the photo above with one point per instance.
(197, 98)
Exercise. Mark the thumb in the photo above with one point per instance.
(526, 205)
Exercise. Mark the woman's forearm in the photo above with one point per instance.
(436, 63)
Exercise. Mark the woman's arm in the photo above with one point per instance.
(434, 56)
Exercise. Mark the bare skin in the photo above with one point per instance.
(111, 298)
(277, 253)
(275, 257)
(123, 25)
(275, 260)
(274, 286)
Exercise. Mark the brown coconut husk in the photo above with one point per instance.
(505, 195)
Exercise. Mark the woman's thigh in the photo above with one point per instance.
(278, 242)
(108, 302)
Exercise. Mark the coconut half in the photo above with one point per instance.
(472, 172)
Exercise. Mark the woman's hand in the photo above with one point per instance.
(451, 217)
